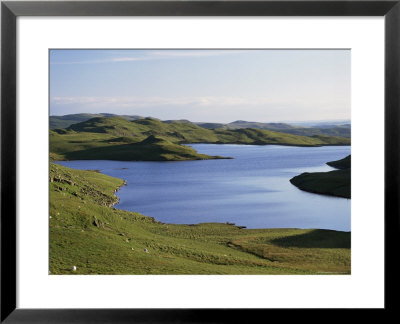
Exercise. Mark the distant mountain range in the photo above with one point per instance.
(329, 128)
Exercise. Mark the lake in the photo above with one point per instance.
(251, 190)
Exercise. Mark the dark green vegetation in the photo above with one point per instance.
(68, 120)
(87, 232)
(341, 164)
(333, 183)
(340, 130)
(116, 138)
(333, 130)
(328, 130)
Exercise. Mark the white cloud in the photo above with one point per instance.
(205, 108)
(156, 55)
(163, 101)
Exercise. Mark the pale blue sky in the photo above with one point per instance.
(203, 85)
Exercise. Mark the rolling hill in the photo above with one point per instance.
(332, 130)
(150, 139)
(67, 120)
(341, 130)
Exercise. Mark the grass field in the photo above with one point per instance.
(149, 139)
(87, 232)
(334, 183)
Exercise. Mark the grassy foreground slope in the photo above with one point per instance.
(334, 183)
(116, 138)
(87, 232)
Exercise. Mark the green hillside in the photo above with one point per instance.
(340, 130)
(88, 233)
(333, 183)
(332, 130)
(68, 120)
(328, 130)
(117, 138)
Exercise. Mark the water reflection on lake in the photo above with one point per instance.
(251, 190)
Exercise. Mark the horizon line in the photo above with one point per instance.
(248, 121)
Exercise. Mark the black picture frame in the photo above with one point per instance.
(10, 10)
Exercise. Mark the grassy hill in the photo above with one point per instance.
(332, 130)
(328, 130)
(340, 130)
(152, 148)
(333, 183)
(87, 232)
(67, 120)
(117, 138)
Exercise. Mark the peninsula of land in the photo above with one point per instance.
(333, 183)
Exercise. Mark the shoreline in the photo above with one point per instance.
(116, 190)
(274, 144)
(336, 183)
(94, 238)
(211, 157)
(125, 183)
(318, 193)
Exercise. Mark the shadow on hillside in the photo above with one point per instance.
(126, 152)
(316, 239)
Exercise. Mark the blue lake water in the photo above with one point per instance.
(251, 190)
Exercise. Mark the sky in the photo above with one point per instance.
(203, 85)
